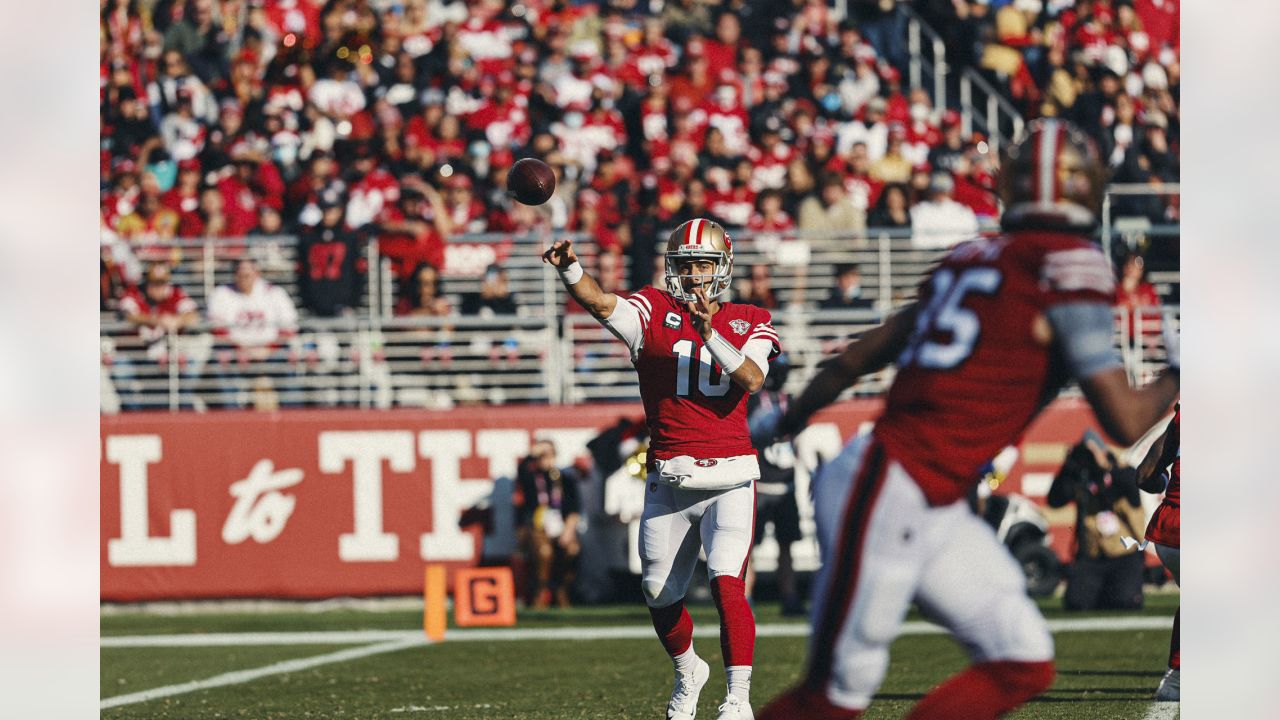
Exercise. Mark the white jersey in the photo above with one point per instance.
(256, 318)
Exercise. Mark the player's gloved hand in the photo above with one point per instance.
(763, 427)
(1172, 341)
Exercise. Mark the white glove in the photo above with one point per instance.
(1172, 341)
(763, 426)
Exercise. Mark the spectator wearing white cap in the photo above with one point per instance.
(938, 221)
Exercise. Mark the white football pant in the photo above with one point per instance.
(882, 547)
(676, 523)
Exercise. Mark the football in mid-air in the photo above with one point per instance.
(531, 181)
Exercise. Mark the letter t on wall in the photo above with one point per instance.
(366, 451)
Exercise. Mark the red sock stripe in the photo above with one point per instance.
(674, 627)
(737, 623)
(844, 576)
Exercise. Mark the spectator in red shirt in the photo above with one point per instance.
(770, 217)
(414, 230)
(373, 188)
(695, 83)
(159, 307)
(974, 189)
(586, 219)
(239, 201)
(1160, 20)
(722, 50)
(467, 213)
(160, 311)
(184, 197)
(1138, 298)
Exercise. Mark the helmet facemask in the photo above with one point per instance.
(699, 240)
(715, 283)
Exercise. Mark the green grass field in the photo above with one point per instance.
(1103, 674)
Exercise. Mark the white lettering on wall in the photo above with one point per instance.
(261, 510)
(366, 451)
(449, 495)
(136, 546)
(503, 448)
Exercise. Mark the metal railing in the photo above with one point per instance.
(917, 32)
(1129, 229)
(541, 354)
(998, 113)
(981, 105)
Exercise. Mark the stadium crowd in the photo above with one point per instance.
(231, 118)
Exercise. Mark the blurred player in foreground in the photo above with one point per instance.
(1161, 471)
(697, 360)
(776, 489)
(1001, 325)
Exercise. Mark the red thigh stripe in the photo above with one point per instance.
(844, 575)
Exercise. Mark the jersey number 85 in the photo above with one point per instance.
(945, 313)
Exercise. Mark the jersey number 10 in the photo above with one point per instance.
(683, 350)
(944, 313)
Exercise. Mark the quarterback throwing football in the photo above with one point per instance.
(1001, 325)
(697, 359)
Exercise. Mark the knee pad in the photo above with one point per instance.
(1019, 634)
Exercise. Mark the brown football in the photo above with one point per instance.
(531, 181)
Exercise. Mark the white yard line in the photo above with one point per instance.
(1162, 711)
(244, 676)
(392, 640)
(560, 633)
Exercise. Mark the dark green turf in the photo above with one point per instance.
(130, 670)
(1103, 676)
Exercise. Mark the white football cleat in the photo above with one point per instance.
(734, 709)
(684, 696)
(1168, 689)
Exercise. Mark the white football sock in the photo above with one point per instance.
(738, 678)
(686, 661)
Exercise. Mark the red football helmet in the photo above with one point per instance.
(1052, 179)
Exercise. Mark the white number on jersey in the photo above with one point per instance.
(944, 313)
(683, 350)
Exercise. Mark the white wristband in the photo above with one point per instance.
(572, 274)
(723, 352)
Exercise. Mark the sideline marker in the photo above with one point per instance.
(484, 597)
(434, 618)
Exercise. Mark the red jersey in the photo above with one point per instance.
(973, 376)
(692, 407)
(1166, 522)
(136, 302)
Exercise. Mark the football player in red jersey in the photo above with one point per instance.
(697, 359)
(1161, 471)
(1000, 326)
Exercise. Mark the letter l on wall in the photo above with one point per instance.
(135, 546)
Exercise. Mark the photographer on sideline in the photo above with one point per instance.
(1105, 574)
